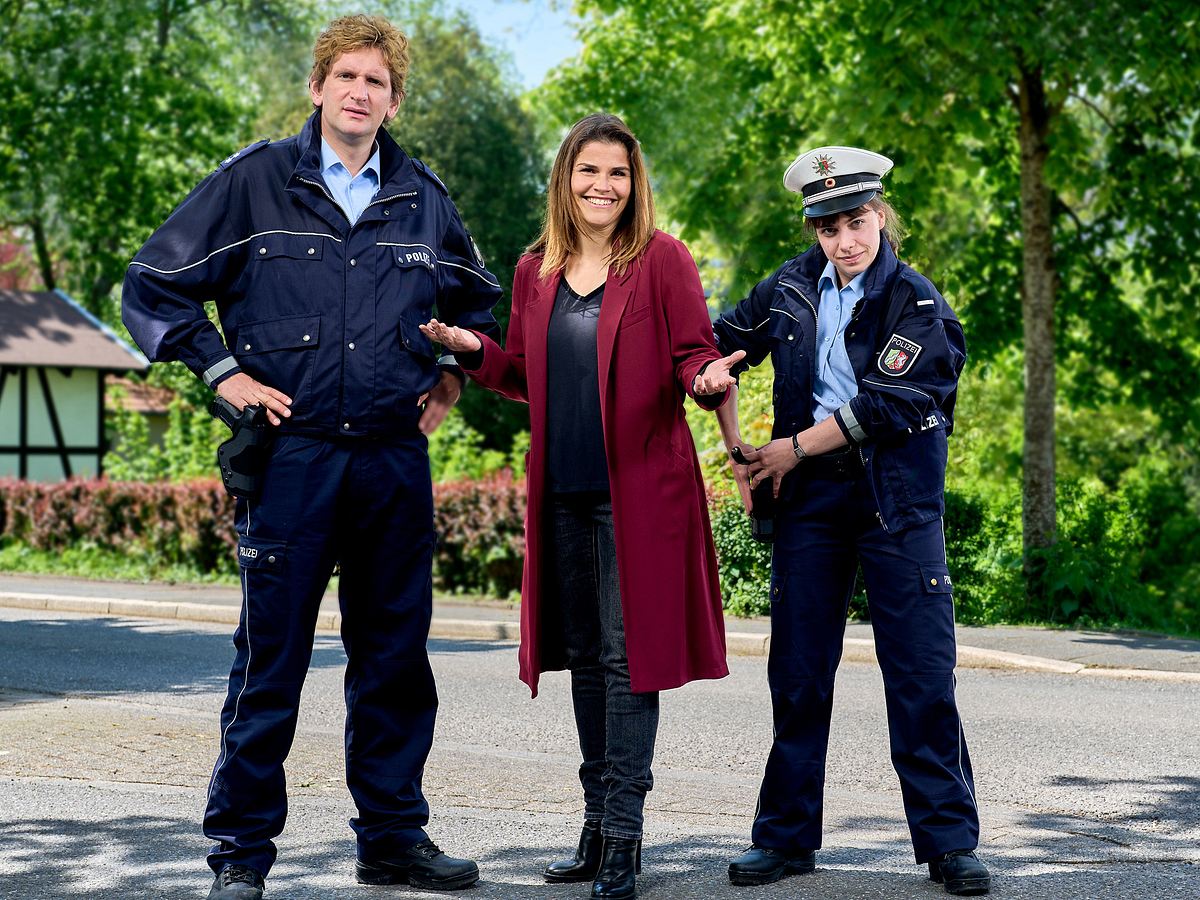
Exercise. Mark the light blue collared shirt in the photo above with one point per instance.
(352, 194)
(835, 384)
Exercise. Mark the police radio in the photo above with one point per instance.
(762, 504)
(243, 458)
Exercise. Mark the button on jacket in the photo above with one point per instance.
(907, 350)
(322, 310)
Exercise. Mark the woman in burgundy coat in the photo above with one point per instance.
(609, 329)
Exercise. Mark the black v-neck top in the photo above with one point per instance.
(575, 438)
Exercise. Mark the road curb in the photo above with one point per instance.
(738, 643)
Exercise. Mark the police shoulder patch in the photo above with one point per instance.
(475, 250)
(898, 356)
(429, 173)
(241, 154)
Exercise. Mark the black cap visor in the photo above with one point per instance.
(841, 204)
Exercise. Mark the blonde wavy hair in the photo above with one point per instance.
(350, 33)
(564, 223)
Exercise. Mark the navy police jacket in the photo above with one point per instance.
(907, 350)
(323, 310)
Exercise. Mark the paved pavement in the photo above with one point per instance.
(1087, 787)
(1098, 654)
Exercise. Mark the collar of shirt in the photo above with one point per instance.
(352, 193)
(828, 281)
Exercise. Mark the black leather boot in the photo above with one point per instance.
(237, 882)
(619, 865)
(587, 858)
(961, 872)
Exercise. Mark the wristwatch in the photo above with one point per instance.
(797, 449)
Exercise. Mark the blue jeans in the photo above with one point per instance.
(616, 727)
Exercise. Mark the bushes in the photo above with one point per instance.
(481, 535)
(162, 524)
(1127, 555)
(185, 530)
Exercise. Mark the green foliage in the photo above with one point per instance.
(745, 563)
(113, 111)
(456, 452)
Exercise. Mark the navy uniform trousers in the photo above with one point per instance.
(369, 505)
(822, 534)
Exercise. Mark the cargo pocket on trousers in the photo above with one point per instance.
(935, 579)
(257, 554)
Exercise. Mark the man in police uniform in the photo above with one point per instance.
(866, 356)
(324, 252)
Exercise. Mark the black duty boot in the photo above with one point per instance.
(422, 865)
(237, 883)
(762, 865)
(587, 858)
(961, 872)
(619, 865)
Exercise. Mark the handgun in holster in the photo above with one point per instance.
(243, 458)
(762, 505)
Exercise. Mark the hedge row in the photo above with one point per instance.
(189, 525)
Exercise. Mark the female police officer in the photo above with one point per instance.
(866, 356)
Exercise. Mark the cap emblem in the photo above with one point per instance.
(823, 165)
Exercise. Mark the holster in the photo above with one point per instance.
(243, 458)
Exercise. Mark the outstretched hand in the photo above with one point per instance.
(715, 379)
(453, 338)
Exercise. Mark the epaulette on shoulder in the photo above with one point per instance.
(921, 286)
(241, 154)
(429, 173)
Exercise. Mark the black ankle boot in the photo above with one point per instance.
(619, 865)
(587, 858)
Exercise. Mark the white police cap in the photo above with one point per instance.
(836, 179)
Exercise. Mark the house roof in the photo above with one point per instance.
(51, 329)
(139, 396)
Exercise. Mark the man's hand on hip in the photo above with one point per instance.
(241, 390)
(439, 402)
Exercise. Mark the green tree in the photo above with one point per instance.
(1042, 152)
(112, 111)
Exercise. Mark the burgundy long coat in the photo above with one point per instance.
(653, 336)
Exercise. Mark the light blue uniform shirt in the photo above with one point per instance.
(352, 194)
(835, 383)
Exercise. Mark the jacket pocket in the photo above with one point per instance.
(280, 353)
(414, 341)
(632, 317)
(288, 246)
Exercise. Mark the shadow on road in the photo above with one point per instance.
(109, 656)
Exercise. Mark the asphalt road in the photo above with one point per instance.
(108, 729)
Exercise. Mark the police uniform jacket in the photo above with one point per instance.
(325, 311)
(907, 349)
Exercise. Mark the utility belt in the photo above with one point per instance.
(841, 465)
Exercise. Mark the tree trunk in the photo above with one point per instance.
(41, 250)
(1037, 310)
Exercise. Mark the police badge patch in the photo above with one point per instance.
(898, 356)
(478, 255)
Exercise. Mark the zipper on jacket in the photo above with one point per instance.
(325, 191)
(388, 199)
(799, 293)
